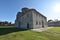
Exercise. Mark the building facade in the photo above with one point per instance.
(54, 24)
(30, 19)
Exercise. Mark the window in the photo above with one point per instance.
(39, 23)
(27, 15)
(36, 22)
(36, 14)
(23, 17)
(19, 24)
(45, 23)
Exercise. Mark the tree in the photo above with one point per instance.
(6, 22)
(50, 20)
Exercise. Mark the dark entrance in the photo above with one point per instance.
(42, 24)
(27, 25)
(19, 24)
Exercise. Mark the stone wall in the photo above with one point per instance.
(31, 17)
(38, 18)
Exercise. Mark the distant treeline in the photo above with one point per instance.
(6, 23)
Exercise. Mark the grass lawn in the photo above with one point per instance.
(10, 33)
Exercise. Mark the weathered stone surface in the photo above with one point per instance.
(30, 19)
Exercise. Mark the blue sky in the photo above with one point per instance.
(9, 8)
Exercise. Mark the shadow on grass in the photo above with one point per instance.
(4, 31)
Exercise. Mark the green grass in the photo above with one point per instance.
(6, 26)
(10, 33)
(54, 30)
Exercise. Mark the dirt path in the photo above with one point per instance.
(41, 29)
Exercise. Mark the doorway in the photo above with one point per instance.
(27, 25)
(42, 24)
(19, 24)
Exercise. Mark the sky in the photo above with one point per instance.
(9, 8)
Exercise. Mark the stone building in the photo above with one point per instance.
(54, 23)
(30, 19)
